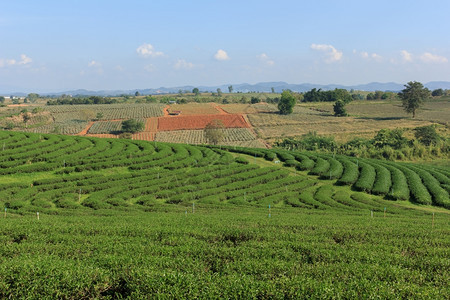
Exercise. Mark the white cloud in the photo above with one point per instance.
(221, 55)
(147, 50)
(332, 53)
(182, 64)
(406, 56)
(433, 58)
(24, 60)
(94, 63)
(265, 59)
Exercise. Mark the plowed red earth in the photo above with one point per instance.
(200, 122)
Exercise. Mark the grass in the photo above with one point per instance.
(366, 118)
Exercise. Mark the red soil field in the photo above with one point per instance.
(200, 121)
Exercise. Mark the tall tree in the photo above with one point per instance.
(214, 131)
(413, 96)
(196, 91)
(219, 92)
(230, 89)
(286, 103)
(273, 90)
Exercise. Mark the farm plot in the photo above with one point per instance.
(248, 108)
(109, 111)
(272, 126)
(232, 136)
(200, 122)
(194, 109)
(105, 127)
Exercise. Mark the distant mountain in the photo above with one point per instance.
(278, 86)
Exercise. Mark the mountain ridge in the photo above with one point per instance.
(278, 86)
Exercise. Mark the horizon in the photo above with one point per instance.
(108, 45)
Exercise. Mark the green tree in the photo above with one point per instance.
(339, 109)
(137, 94)
(219, 92)
(196, 91)
(413, 96)
(132, 126)
(427, 135)
(392, 138)
(255, 100)
(99, 116)
(32, 97)
(273, 90)
(437, 93)
(286, 103)
(2, 99)
(214, 131)
(230, 89)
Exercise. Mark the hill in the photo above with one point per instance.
(115, 218)
(50, 173)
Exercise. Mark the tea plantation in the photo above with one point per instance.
(121, 218)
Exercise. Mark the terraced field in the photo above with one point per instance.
(50, 172)
(133, 219)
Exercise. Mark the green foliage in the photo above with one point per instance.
(315, 95)
(255, 100)
(132, 126)
(214, 132)
(226, 253)
(427, 135)
(196, 91)
(339, 109)
(286, 103)
(413, 96)
(437, 93)
(392, 138)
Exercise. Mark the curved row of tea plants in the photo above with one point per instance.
(395, 181)
(48, 173)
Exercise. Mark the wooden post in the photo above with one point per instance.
(385, 212)
(79, 196)
(37, 214)
(193, 207)
(269, 210)
(371, 213)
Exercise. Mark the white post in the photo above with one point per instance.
(37, 214)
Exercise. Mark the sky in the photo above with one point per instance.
(53, 45)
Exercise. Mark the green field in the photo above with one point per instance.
(116, 220)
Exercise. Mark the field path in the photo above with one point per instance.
(85, 130)
(216, 106)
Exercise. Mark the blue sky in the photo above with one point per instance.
(60, 45)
